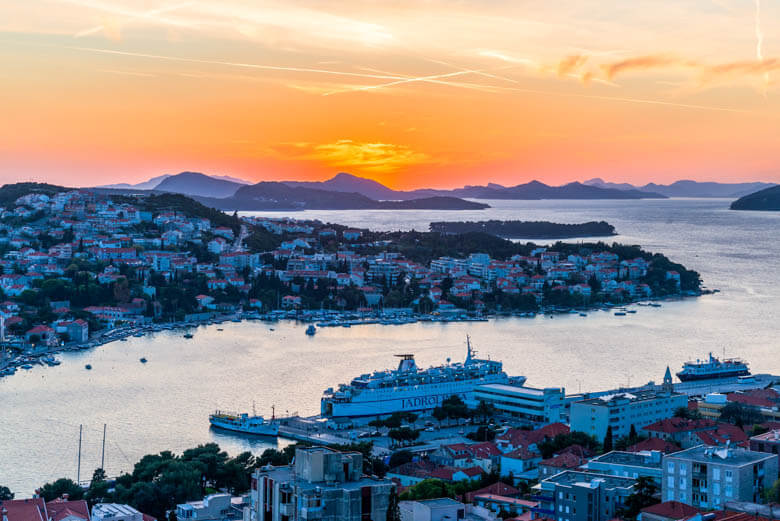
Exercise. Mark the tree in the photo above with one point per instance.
(428, 489)
(643, 496)
(393, 512)
(5, 494)
(399, 458)
(740, 414)
(608, 439)
(688, 414)
(54, 490)
(485, 410)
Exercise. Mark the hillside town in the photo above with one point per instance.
(83, 267)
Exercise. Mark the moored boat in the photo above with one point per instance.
(244, 423)
(713, 368)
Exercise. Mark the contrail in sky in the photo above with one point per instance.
(240, 65)
(147, 14)
(760, 42)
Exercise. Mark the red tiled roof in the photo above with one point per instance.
(675, 425)
(522, 438)
(664, 446)
(60, 509)
(567, 460)
(24, 509)
(723, 433)
(498, 488)
(671, 510)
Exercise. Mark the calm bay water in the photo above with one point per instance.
(164, 404)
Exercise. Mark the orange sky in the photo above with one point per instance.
(412, 94)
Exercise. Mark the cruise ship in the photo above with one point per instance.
(713, 368)
(409, 388)
(244, 423)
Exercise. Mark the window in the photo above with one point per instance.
(729, 491)
(716, 474)
(716, 488)
(670, 495)
(729, 476)
(670, 467)
(683, 469)
(670, 482)
(683, 483)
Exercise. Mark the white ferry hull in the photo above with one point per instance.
(378, 403)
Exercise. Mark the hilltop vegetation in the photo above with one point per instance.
(11, 192)
(527, 229)
(767, 199)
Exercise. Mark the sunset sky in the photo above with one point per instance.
(412, 93)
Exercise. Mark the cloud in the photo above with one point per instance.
(571, 64)
(653, 61)
(364, 156)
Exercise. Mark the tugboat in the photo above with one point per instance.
(311, 330)
(244, 423)
(713, 368)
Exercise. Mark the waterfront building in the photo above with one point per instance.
(321, 484)
(581, 496)
(622, 410)
(707, 477)
(629, 464)
(527, 403)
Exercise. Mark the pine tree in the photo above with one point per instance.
(608, 439)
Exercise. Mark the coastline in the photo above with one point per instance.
(30, 357)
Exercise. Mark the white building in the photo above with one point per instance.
(622, 410)
(115, 512)
(535, 405)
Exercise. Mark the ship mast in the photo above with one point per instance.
(469, 350)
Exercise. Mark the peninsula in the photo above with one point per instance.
(767, 199)
(527, 229)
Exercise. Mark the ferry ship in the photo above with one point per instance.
(409, 388)
(713, 368)
(244, 423)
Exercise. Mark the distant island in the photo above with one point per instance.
(526, 229)
(686, 188)
(348, 192)
(279, 196)
(767, 199)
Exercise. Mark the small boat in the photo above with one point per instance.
(220, 329)
(244, 423)
(88, 367)
(583, 314)
(143, 360)
(187, 335)
(26, 366)
(123, 339)
(620, 313)
(311, 330)
(631, 311)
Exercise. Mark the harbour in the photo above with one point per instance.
(164, 404)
